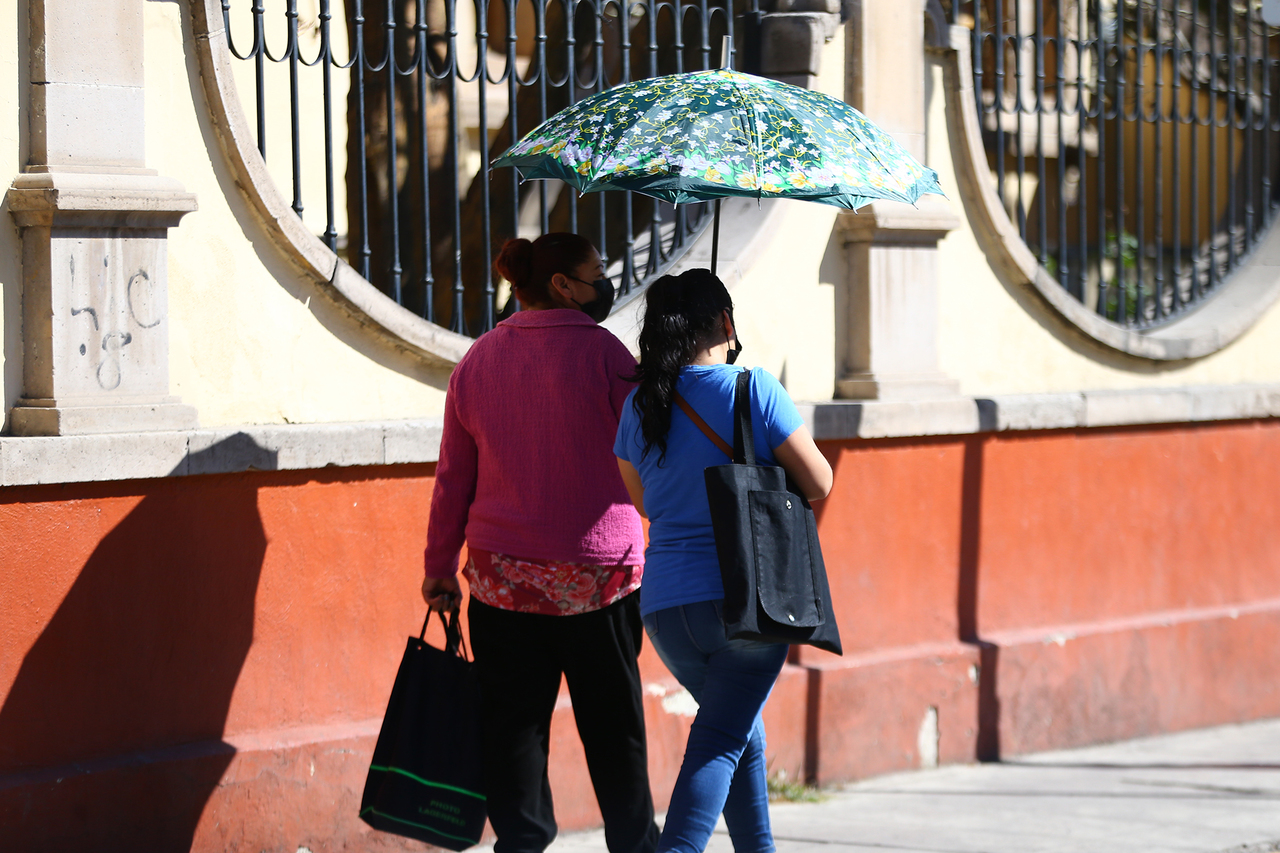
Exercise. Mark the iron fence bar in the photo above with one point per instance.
(513, 116)
(1268, 146)
(1042, 198)
(1059, 96)
(482, 79)
(628, 226)
(1230, 125)
(1139, 176)
(600, 85)
(998, 101)
(394, 270)
(427, 278)
(1177, 123)
(457, 322)
(1160, 54)
(1248, 191)
(1214, 66)
(1082, 113)
(326, 70)
(540, 13)
(365, 253)
(1197, 285)
(1019, 110)
(655, 215)
(259, 67)
(1100, 60)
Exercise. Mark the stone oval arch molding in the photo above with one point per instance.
(1239, 303)
(333, 277)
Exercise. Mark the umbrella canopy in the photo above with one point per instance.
(707, 135)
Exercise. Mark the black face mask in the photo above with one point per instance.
(597, 309)
(732, 355)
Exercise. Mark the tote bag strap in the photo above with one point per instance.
(744, 444)
(702, 425)
(454, 643)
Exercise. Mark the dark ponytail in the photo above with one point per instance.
(682, 315)
(529, 266)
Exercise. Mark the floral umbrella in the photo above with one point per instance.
(707, 135)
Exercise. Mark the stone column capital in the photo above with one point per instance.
(98, 200)
(895, 223)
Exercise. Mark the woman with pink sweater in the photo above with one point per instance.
(555, 551)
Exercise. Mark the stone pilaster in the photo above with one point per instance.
(93, 219)
(891, 330)
(890, 326)
(792, 33)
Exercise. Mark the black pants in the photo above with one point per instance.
(519, 659)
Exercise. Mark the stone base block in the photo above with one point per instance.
(896, 386)
(208, 796)
(1079, 685)
(786, 724)
(885, 712)
(301, 788)
(47, 417)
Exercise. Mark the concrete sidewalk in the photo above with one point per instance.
(1207, 791)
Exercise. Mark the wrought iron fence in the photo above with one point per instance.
(1135, 143)
(430, 91)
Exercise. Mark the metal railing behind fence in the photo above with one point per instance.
(415, 97)
(1135, 143)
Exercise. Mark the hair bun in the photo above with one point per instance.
(515, 261)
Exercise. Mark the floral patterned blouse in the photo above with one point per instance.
(547, 587)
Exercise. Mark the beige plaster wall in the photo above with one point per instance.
(251, 340)
(12, 152)
(994, 345)
(785, 305)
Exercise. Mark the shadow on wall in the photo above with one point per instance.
(110, 737)
(10, 314)
(988, 722)
(10, 241)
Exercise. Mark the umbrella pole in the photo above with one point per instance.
(726, 51)
(715, 237)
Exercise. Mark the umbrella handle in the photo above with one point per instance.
(715, 237)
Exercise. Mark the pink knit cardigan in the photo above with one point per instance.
(526, 461)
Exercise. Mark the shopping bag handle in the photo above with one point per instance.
(454, 644)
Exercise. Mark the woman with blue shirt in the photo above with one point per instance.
(684, 349)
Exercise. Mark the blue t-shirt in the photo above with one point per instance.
(680, 564)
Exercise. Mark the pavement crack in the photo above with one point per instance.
(1264, 847)
(1204, 786)
(870, 845)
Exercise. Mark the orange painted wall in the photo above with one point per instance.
(152, 613)
(890, 535)
(215, 652)
(1086, 525)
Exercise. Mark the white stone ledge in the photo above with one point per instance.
(135, 456)
(144, 455)
(845, 419)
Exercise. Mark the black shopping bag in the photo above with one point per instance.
(425, 780)
(775, 581)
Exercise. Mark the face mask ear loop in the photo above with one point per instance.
(732, 355)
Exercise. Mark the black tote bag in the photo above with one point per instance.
(425, 780)
(775, 583)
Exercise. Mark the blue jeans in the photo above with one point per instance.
(724, 766)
